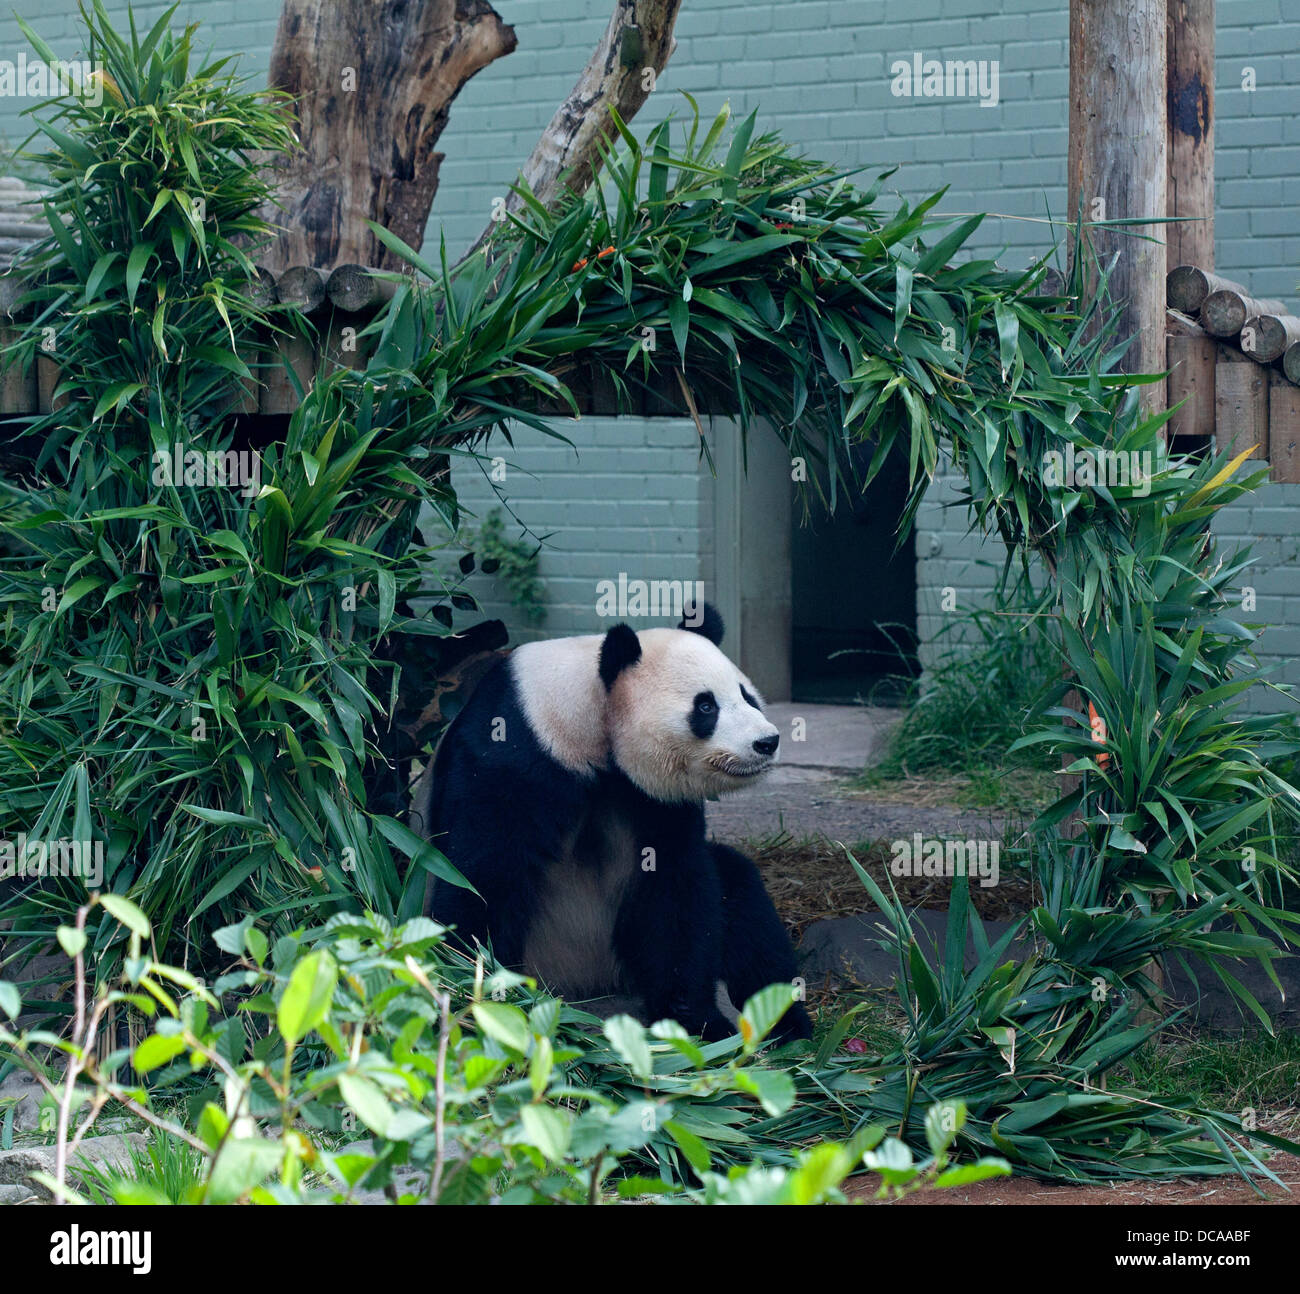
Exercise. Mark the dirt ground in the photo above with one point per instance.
(804, 804)
(1025, 1190)
(810, 880)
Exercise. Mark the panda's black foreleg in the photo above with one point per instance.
(756, 951)
(668, 939)
(498, 919)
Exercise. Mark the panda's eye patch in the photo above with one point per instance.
(704, 715)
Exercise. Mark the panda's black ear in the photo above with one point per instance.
(709, 624)
(620, 649)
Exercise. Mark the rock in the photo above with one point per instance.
(17, 1165)
(23, 1088)
(847, 947)
(15, 1195)
(45, 977)
(1214, 1010)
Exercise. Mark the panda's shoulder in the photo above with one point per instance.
(531, 710)
(492, 723)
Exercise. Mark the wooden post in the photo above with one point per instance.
(354, 288)
(1191, 132)
(17, 385)
(1266, 337)
(262, 291)
(1191, 362)
(1241, 406)
(1118, 161)
(301, 287)
(279, 393)
(1283, 430)
(1187, 287)
(1291, 362)
(343, 347)
(47, 379)
(1224, 313)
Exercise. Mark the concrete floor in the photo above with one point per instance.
(822, 746)
(831, 739)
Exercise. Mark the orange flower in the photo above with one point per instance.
(1098, 726)
(600, 256)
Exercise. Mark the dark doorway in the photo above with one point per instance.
(854, 594)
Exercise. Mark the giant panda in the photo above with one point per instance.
(570, 793)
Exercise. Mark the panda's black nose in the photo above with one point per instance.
(768, 745)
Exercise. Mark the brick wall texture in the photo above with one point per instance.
(820, 72)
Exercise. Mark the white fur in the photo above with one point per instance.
(564, 700)
(649, 720)
(643, 725)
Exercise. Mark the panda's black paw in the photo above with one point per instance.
(716, 1027)
(794, 1026)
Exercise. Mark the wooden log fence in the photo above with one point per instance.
(1234, 364)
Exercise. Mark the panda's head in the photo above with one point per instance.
(684, 723)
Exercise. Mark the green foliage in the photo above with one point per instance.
(973, 703)
(166, 1171)
(470, 1086)
(817, 1172)
(768, 281)
(195, 676)
(1248, 1075)
(1183, 817)
(189, 665)
(143, 285)
(1028, 1045)
(512, 561)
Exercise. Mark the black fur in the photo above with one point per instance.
(620, 649)
(704, 716)
(710, 626)
(500, 813)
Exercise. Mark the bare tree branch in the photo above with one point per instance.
(567, 155)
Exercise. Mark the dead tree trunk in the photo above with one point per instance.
(1118, 167)
(1191, 132)
(619, 77)
(1117, 170)
(373, 83)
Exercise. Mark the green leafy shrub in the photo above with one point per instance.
(996, 665)
(190, 676)
(166, 1171)
(512, 561)
(361, 1026)
(194, 677)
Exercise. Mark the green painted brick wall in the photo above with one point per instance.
(819, 71)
